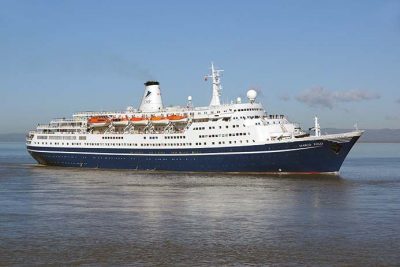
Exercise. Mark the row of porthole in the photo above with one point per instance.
(147, 144)
(222, 135)
(175, 137)
(213, 127)
(112, 137)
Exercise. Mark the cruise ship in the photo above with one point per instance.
(239, 136)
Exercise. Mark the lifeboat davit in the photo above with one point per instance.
(120, 121)
(158, 120)
(177, 118)
(139, 121)
(99, 121)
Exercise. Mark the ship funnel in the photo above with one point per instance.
(151, 101)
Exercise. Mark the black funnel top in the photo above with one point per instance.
(151, 83)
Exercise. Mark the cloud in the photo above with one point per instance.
(321, 97)
(315, 97)
(354, 95)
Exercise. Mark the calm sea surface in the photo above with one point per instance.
(60, 216)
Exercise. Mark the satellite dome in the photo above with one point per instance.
(251, 95)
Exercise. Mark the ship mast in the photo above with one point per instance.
(216, 85)
(317, 128)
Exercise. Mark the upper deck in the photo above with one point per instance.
(153, 118)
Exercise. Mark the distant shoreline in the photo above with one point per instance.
(370, 135)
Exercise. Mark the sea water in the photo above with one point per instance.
(68, 216)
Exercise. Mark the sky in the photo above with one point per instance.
(339, 60)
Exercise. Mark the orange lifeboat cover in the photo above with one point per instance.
(98, 119)
(175, 117)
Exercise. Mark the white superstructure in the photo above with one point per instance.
(153, 124)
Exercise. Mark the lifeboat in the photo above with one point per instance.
(158, 120)
(99, 121)
(120, 121)
(139, 121)
(177, 118)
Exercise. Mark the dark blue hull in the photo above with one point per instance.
(292, 157)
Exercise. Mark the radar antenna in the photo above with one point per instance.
(216, 85)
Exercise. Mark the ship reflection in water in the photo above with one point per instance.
(70, 216)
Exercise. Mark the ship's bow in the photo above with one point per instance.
(338, 147)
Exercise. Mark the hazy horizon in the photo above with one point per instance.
(339, 60)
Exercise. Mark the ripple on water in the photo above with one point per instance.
(100, 217)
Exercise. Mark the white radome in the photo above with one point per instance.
(251, 95)
(238, 100)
